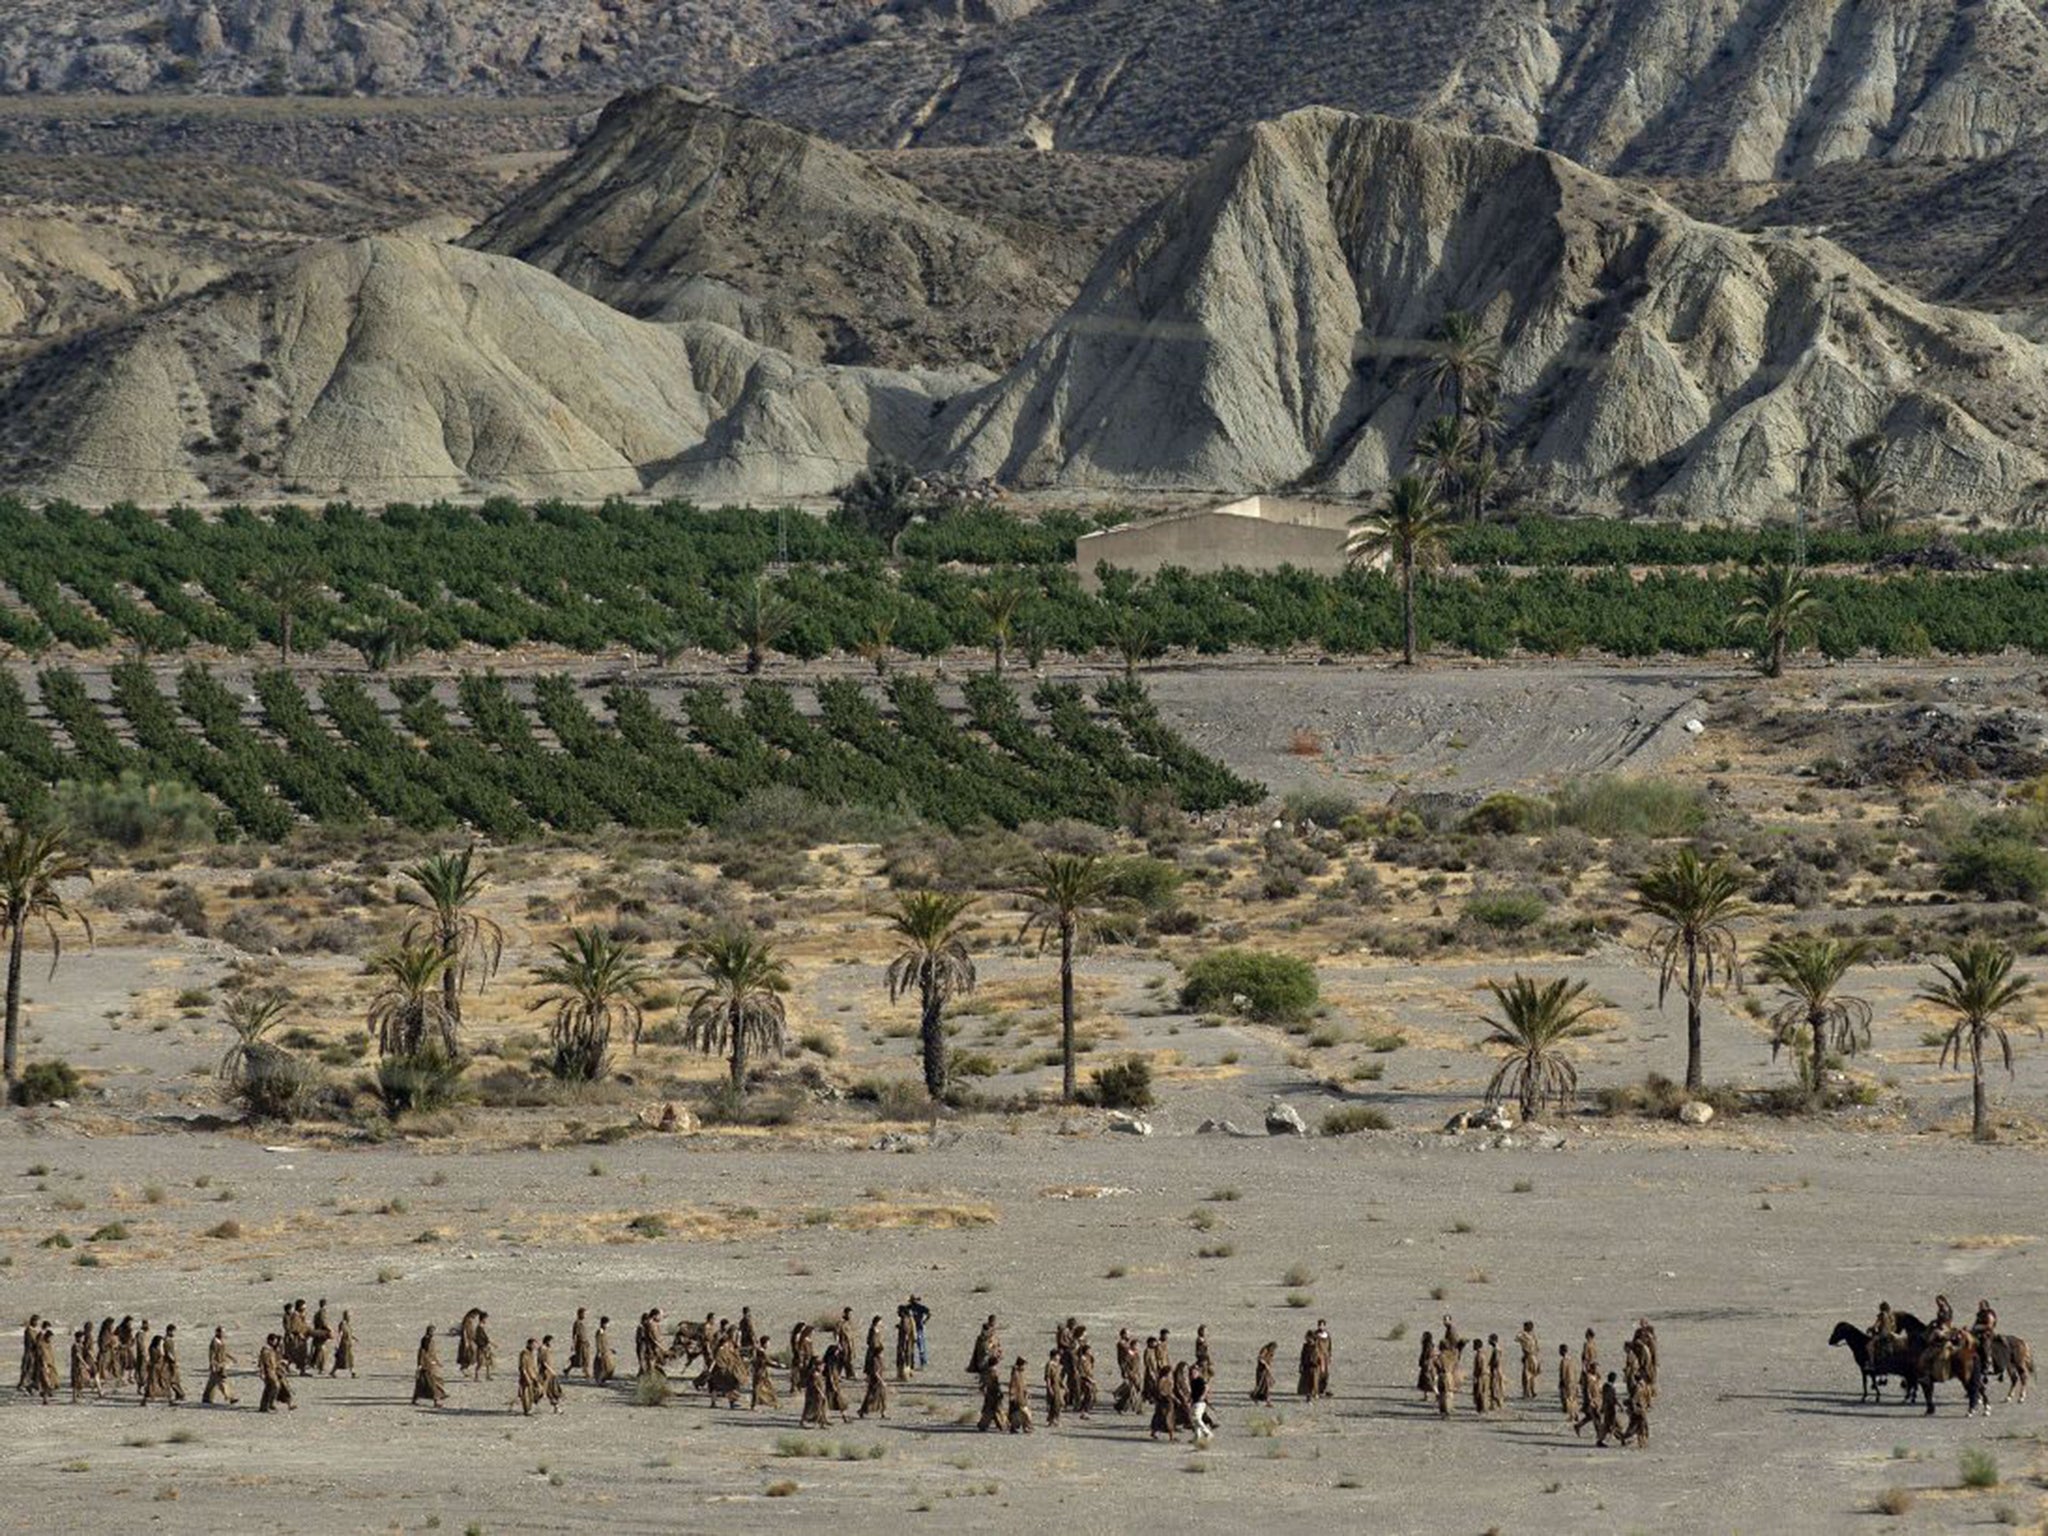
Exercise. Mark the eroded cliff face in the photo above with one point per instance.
(1264, 327)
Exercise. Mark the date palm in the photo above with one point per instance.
(738, 1008)
(1463, 363)
(1135, 639)
(290, 584)
(1695, 904)
(1531, 1025)
(262, 1074)
(1409, 531)
(595, 985)
(33, 865)
(1809, 970)
(1866, 486)
(998, 605)
(933, 962)
(758, 617)
(1977, 986)
(1779, 606)
(447, 890)
(407, 1014)
(873, 647)
(1064, 903)
(1445, 448)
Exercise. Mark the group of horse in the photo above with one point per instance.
(1923, 1357)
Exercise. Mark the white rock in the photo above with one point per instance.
(1695, 727)
(1284, 1120)
(1130, 1125)
(1693, 1112)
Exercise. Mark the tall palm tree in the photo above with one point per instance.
(1463, 362)
(447, 889)
(1867, 488)
(32, 866)
(1809, 970)
(290, 584)
(1409, 531)
(935, 963)
(1977, 986)
(1695, 904)
(1064, 904)
(1532, 1025)
(739, 1007)
(1779, 605)
(1446, 447)
(998, 605)
(595, 985)
(408, 1014)
(758, 617)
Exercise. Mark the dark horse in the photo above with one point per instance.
(1878, 1359)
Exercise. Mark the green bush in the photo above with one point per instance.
(1510, 815)
(45, 1082)
(1353, 1118)
(1996, 869)
(1505, 911)
(1147, 882)
(1125, 1084)
(271, 1083)
(1273, 989)
(1329, 808)
(419, 1083)
(134, 812)
(1979, 1467)
(1618, 807)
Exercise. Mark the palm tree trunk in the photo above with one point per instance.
(1777, 655)
(451, 993)
(1980, 1125)
(739, 1055)
(1408, 607)
(753, 659)
(999, 655)
(1695, 1068)
(284, 635)
(13, 1063)
(1066, 1013)
(1815, 1023)
(933, 1030)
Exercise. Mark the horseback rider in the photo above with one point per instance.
(1944, 1315)
(1984, 1328)
(1886, 1326)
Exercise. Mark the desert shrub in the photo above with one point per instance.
(45, 1082)
(1613, 807)
(1353, 1118)
(252, 933)
(1978, 1467)
(1328, 808)
(892, 1098)
(1125, 1084)
(1147, 882)
(419, 1083)
(1508, 815)
(135, 812)
(1793, 883)
(1996, 868)
(1505, 911)
(1273, 989)
(271, 1083)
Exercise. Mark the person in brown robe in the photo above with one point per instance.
(1496, 1379)
(727, 1371)
(1454, 1341)
(1204, 1361)
(1567, 1380)
(984, 1344)
(318, 1337)
(103, 1355)
(1609, 1420)
(1532, 1351)
(550, 1378)
(218, 1359)
(1020, 1398)
(155, 1383)
(1055, 1387)
(1305, 1372)
(579, 1342)
(1084, 1380)
(426, 1374)
(603, 1364)
(800, 1357)
(876, 1399)
(814, 1408)
(31, 1343)
(1636, 1431)
(835, 1372)
(528, 1392)
(842, 1335)
(174, 1379)
(465, 1343)
(46, 1376)
(1163, 1415)
(82, 1373)
(1324, 1351)
(1441, 1379)
(1589, 1400)
(486, 1364)
(138, 1362)
(1129, 1393)
(1262, 1376)
(277, 1388)
(344, 1346)
(995, 1413)
(906, 1344)
(1479, 1395)
(1425, 1366)
(763, 1394)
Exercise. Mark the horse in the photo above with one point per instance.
(1897, 1355)
(2014, 1360)
(1952, 1359)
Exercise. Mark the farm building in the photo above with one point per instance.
(1259, 533)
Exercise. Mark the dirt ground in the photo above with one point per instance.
(1744, 1240)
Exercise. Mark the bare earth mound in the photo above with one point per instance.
(1263, 325)
(678, 208)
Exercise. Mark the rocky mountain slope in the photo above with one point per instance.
(1759, 89)
(679, 208)
(59, 275)
(1264, 326)
(400, 46)
(394, 367)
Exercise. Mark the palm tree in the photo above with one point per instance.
(935, 963)
(1410, 532)
(758, 618)
(262, 1075)
(408, 1014)
(1446, 446)
(1809, 970)
(1695, 904)
(1135, 639)
(32, 866)
(998, 605)
(595, 984)
(1064, 904)
(739, 1008)
(290, 584)
(1780, 607)
(873, 647)
(446, 889)
(1534, 1022)
(1867, 488)
(1977, 986)
(1463, 363)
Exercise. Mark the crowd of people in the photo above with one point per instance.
(731, 1359)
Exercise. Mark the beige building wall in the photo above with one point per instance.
(1257, 534)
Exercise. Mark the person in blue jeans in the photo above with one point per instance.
(920, 1314)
